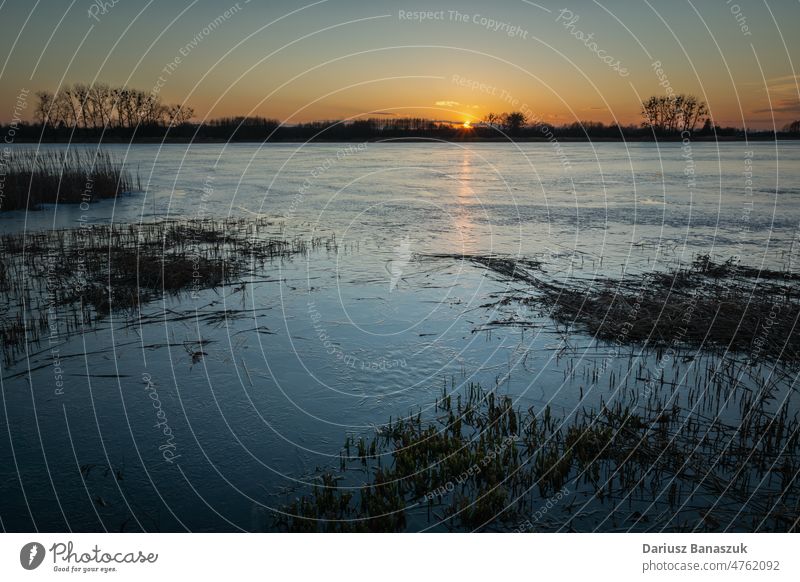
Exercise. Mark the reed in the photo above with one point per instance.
(712, 305)
(83, 274)
(33, 178)
(707, 304)
(698, 430)
(482, 464)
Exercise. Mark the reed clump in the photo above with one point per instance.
(412, 463)
(700, 431)
(716, 305)
(32, 178)
(73, 278)
(482, 464)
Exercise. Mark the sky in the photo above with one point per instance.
(560, 61)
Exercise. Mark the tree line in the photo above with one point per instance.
(100, 106)
(663, 115)
(83, 112)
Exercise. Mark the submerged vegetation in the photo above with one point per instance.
(86, 273)
(710, 305)
(696, 430)
(684, 415)
(483, 464)
(31, 178)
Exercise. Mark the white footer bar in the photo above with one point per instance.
(406, 557)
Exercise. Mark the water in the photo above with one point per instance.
(337, 341)
(599, 199)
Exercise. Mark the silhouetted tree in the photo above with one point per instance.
(513, 122)
(673, 113)
(100, 107)
(44, 106)
(80, 113)
(793, 127)
(492, 120)
(179, 114)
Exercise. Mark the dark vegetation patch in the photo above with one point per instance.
(723, 306)
(481, 464)
(699, 431)
(32, 178)
(75, 277)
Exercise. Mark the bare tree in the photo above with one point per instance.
(179, 114)
(492, 119)
(44, 106)
(673, 113)
(65, 110)
(101, 97)
(101, 106)
(79, 93)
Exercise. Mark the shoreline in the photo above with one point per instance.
(769, 138)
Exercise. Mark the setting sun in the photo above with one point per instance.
(467, 125)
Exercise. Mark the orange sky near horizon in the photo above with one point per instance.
(453, 61)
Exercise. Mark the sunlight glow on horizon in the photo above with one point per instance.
(342, 60)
